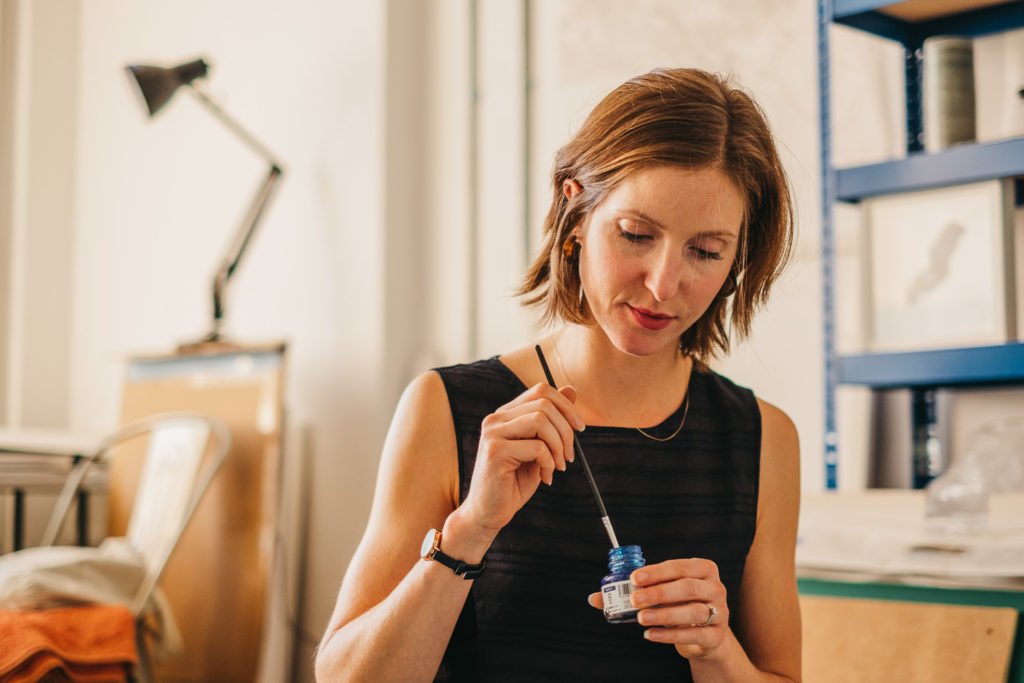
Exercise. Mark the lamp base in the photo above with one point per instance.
(222, 345)
(208, 345)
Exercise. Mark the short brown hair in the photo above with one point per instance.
(678, 117)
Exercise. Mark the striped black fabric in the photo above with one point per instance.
(527, 618)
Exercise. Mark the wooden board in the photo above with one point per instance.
(923, 10)
(883, 641)
(217, 581)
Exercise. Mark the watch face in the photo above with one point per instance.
(428, 543)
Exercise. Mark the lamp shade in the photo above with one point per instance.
(158, 83)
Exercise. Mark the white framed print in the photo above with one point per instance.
(939, 272)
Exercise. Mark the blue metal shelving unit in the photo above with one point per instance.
(982, 365)
(979, 366)
(882, 19)
(920, 171)
(909, 23)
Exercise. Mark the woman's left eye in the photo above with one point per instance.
(706, 255)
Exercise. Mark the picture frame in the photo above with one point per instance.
(939, 271)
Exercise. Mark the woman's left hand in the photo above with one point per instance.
(681, 602)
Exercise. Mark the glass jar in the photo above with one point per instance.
(616, 588)
(958, 501)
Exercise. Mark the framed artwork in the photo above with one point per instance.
(940, 268)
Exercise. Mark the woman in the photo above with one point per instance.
(670, 221)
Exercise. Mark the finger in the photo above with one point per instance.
(565, 401)
(689, 614)
(526, 452)
(595, 600)
(560, 401)
(703, 638)
(535, 425)
(669, 570)
(680, 591)
(557, 419)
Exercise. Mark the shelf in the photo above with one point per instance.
(912, 21)
(922, 171)
(981, 365)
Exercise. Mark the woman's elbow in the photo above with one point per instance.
(327, 662)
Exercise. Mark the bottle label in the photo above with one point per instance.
(616, 598)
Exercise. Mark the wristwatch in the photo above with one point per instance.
(431, 550)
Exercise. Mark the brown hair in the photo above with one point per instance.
(679, 117)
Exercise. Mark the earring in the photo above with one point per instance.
(571, 249)
(729, 288)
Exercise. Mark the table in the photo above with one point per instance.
(36, 461)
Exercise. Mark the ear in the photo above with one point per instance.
(571, 188)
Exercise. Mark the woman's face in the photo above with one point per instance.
(656, 251)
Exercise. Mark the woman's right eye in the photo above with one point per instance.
(633, 237)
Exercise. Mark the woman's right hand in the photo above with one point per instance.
(522, 443)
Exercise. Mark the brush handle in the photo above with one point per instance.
(583, 459)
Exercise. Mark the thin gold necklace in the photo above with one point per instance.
(686, 403)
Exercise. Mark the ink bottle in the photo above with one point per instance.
(616, 588)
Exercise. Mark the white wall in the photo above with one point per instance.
(156, 202)
(36, 207)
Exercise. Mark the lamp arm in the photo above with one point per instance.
(234, 126)
(237, 247)
(247, 228)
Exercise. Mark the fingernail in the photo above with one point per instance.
(647, 634)
(639, 577)
(580, 424)
(639, 599)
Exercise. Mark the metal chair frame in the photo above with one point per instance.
(219, 435)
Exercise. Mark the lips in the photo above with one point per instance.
(650, 320)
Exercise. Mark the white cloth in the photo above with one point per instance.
(59, 576)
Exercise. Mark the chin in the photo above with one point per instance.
(641, 343)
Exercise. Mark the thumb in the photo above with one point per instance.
(569, 392)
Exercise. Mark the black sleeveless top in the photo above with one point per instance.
(527, 617)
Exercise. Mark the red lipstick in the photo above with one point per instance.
(650, 320)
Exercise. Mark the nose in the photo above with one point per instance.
(664, 275)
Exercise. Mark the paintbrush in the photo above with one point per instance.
(583, 461)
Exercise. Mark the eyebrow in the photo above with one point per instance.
(703, 233)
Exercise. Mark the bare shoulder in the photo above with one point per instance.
(424, 399)
(780, 458)
(420, 444)
(778, 432)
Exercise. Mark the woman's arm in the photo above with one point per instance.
(768, 624)
(395, 613)
(389, 596)
(675, 595)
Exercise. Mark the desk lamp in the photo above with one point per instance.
(157, 85)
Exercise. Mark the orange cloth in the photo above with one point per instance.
(86, 644)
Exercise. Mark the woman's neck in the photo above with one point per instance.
(615, 388)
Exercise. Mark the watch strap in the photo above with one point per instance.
(463, 569)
